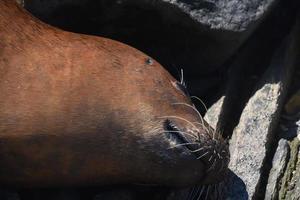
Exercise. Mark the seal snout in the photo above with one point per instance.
(207, 147)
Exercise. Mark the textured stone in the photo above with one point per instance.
(295, 192)
(233, 15)
(298, 136)
(251, 138)
(278, 167)
(290, 183)
(213, 113)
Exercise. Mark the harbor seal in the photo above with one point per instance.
(78, 110)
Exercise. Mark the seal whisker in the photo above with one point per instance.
(206, 129)
(198, 113)
(212, 166)
(200, 149)
(216, 192)
(182, 82)
(183, 144)
(201, 192)
(176, 117)
(207, 192)
(195, 97)
(194, 192)
(202, 155)
(191, 193)
(180, 132)
(197, 188)
(222, 165)
(153, 130)
(193, 107)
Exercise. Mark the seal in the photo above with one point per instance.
(78, 110)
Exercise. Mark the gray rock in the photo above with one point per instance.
(295, 193)
(298, 132)
(248, 148)
(256, 128)
(213, 113)
(232, 15)
(290, 187)
(290, 183)
(278, 167)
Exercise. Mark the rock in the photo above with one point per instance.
(291, 188)
(290, 183)
(213, 113)
(256, 129)
(231, 15)
(279, 164)
(249, 65)
(294, 193)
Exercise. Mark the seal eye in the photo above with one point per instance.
(181, 87)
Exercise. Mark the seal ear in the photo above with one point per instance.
(182, 82)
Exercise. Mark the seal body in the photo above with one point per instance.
(78, 110)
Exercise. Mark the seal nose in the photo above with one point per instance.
(214, 153)
(208, 147)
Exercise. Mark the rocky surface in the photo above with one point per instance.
(254, 136)
(214, 112)
(278, 168)
(232, 15)
(257, 124)
(289, 188)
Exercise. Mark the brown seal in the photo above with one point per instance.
(78, 110)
